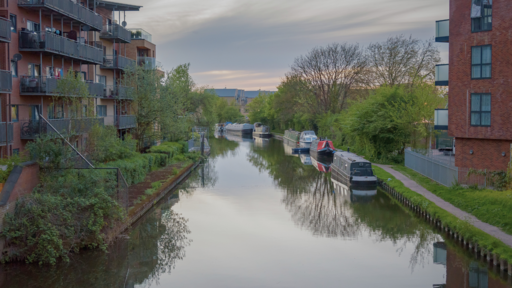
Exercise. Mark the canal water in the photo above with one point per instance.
(256, 216)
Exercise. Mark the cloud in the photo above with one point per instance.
(260, 37)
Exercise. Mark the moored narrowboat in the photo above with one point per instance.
(353, 169)
(240, 129)
(321, 147)
(292, 136)
(261, 131)
(307, 137)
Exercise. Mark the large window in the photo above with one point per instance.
(481, 58)
(481, 15)
(480, 109)
(101, 110)
(14, 68)
(14, 113)
(13, 23)
(34, 70)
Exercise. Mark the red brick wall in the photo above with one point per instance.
(487, 153)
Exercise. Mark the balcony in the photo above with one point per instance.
(66, 8)
(126, 121)
(116, 62)
(443, 31)
(442, 74)
(45, 41)
(116, 32)
(441, 119)
(149, 63)
(47, 86)
(119, 92)
(140, 34)
(3, 133)
(5, 81)
(31, 129)
(5, 30)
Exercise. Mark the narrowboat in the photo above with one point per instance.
(321, 147)
(305, 159)
(238, 138)
(354, 170)
(292, 136)
(322, 164)
(261, 131)
(306, 138)
(240, 129)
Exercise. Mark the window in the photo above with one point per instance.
(14, 113)
(55, 111)
(481, 58)
(13, 23)
(101, 79)
(34, 70)
(33, 26)
(16, 151)
(481, 15)
(84, 111)
(480, 109)
(14, 68)
(33, 112)
(101, 110)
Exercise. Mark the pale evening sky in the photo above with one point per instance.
(250, 44)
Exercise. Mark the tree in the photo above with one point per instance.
(401, 60)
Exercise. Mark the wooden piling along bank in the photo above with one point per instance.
(491, 258)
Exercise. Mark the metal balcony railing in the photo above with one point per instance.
(442, 74)
(116, 32)
(148, 63)
(10, 133)
(126, 121)
(140, 34)
(443, 31)
(68, 9)
(5, 30)
(116, 62)
(31, 129)
(45, 41)
(5, 81)
(119, 92)
(43, 85)
(441, 119)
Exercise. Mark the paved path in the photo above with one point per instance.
(489, 229)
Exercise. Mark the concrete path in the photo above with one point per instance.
(489, 229)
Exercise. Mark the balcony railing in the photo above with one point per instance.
(45, 41)
(443, 31)
(148, 63)
(126, 121)
(43, 85)
(5, 81)
(5, 30)
(116, 62)
(69, 9)
(31, 129)
(119, 92)
(140, 34)
(116, 32)
(441, 119)
(3, 127)
(442, 74)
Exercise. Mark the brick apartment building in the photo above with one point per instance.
(479, 79)
(54, 37)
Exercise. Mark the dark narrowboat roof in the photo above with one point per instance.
(351, 157)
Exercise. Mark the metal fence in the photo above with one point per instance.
(434, 169)
(116, 31)
(5, 81)
(5, 30)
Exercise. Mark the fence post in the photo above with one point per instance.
(202, 144)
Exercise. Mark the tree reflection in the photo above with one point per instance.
(222, 148)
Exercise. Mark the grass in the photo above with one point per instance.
(490, 206)
(464, 228)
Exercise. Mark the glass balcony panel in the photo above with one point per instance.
(140, 34)
(5, 81)
(441, 119)
(443, 31)
(442, 72)
(149, 63)
(5, 30)
(116, 62)
(126, 121)
(116, 31)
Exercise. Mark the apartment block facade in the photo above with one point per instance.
(40, 42)
(479, 81)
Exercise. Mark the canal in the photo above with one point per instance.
(255, 216)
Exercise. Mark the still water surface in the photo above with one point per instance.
(253, 216)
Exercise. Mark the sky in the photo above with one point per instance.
(251, 44)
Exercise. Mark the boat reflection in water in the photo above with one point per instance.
(239, 138)
(350, 193)
(219, 134)
(322, 163)
(288, 148)
(261, 142)
(306, 159)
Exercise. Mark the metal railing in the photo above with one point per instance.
(30, 85)
(442, 72)
(148, 63)
(126, 121)
(5, 30)
(96, 89)
(31, 129)
(116, 31)
(140, 34)
(68, 8)
(5, 81)
(119, 92)
(438, 171)
(50, 42)
(116, 62)
(443, 30)
(10, 130)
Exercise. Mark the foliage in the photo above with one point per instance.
(500, 180)
(11, 162)
(104, 145)
(227, 112)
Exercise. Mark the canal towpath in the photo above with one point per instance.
(485, 227)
